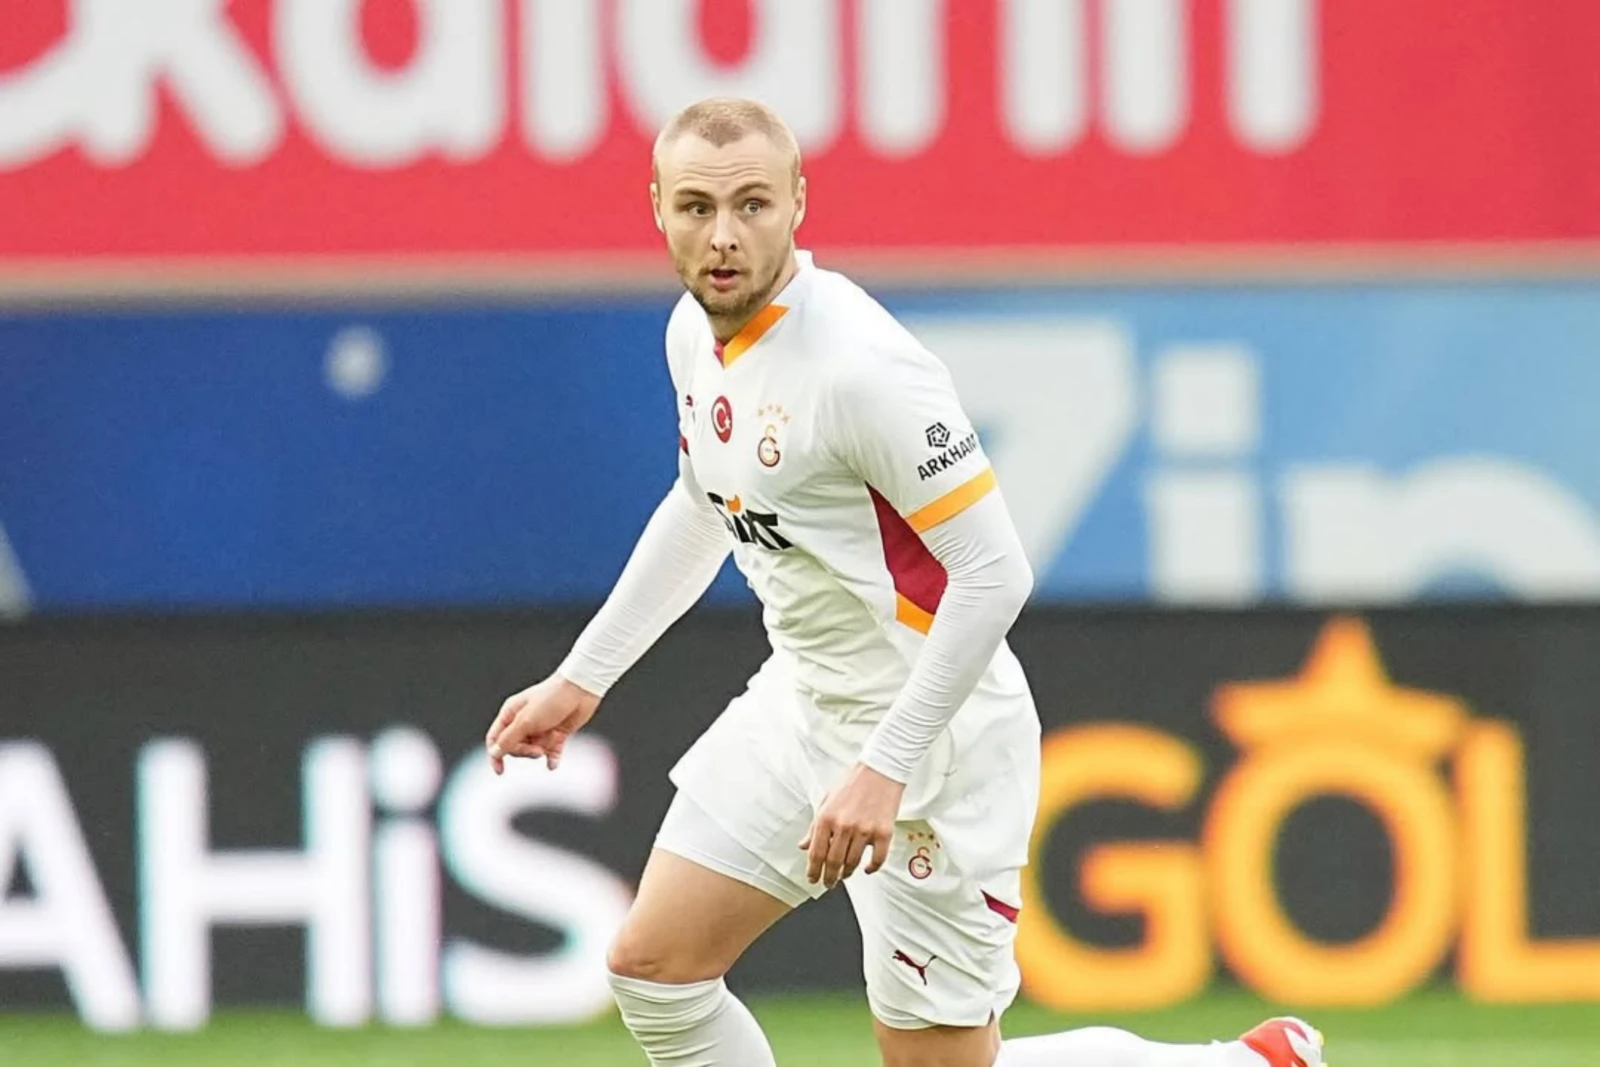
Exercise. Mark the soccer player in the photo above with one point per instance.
(890, 742)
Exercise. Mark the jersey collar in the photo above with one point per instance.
(768, 317)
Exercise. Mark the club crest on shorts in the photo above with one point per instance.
(772, 418)
(921, 865)
(921, 862)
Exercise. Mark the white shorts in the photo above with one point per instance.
(938, 920)
(937, 946)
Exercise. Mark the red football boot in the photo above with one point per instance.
(1286, 1042)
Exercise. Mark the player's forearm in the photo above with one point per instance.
(988, 582)
(675, 560)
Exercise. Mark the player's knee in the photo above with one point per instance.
(637, 955)
(631, 957)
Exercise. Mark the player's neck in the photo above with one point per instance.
(725, 328)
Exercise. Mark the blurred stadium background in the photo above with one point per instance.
(332, 398)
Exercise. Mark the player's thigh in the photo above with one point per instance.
(703, 899)
(938, 943)
(689, 923)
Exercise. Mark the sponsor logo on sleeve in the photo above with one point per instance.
(939, 437)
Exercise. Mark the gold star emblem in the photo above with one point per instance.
(1341, 692)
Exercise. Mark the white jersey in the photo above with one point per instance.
(829, 438)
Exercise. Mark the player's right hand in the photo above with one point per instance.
(537, 722)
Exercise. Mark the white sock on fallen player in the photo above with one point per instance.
(1106, 1046)
(696, 1025)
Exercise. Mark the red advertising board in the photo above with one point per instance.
(482, 131)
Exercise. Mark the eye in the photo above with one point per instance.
(698, 209)
(751, 207)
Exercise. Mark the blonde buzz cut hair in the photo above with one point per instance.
(721, 121)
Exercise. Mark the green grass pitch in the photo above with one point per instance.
(1430, 1030)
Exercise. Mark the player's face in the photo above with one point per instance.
(729, 216)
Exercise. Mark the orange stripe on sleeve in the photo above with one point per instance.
(907, 612)
(952, 503)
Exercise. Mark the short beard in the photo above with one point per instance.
(750, 304)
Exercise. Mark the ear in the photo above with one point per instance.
(655, 206)
(799, 201)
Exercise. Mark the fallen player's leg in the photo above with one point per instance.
(1275, 1043)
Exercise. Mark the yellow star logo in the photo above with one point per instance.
(1341, 692)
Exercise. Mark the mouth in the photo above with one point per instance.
(723, 278)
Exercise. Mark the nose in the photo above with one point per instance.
(725, 235)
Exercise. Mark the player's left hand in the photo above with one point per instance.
(859, 814)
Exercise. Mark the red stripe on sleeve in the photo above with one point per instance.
(917, 575)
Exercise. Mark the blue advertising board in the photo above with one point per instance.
(1195, 444)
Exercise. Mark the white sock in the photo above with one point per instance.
(696, 1025)
(1106, 1046)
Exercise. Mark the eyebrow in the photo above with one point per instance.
(743, 190)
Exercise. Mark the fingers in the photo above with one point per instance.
(880, 849)
(844, 843)
(853, 856)
(816, 846)
(835, 849)
(507, 742)
(508, 711)
(553, 744)
(876, 838)
(492, 740)
(510, 744)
